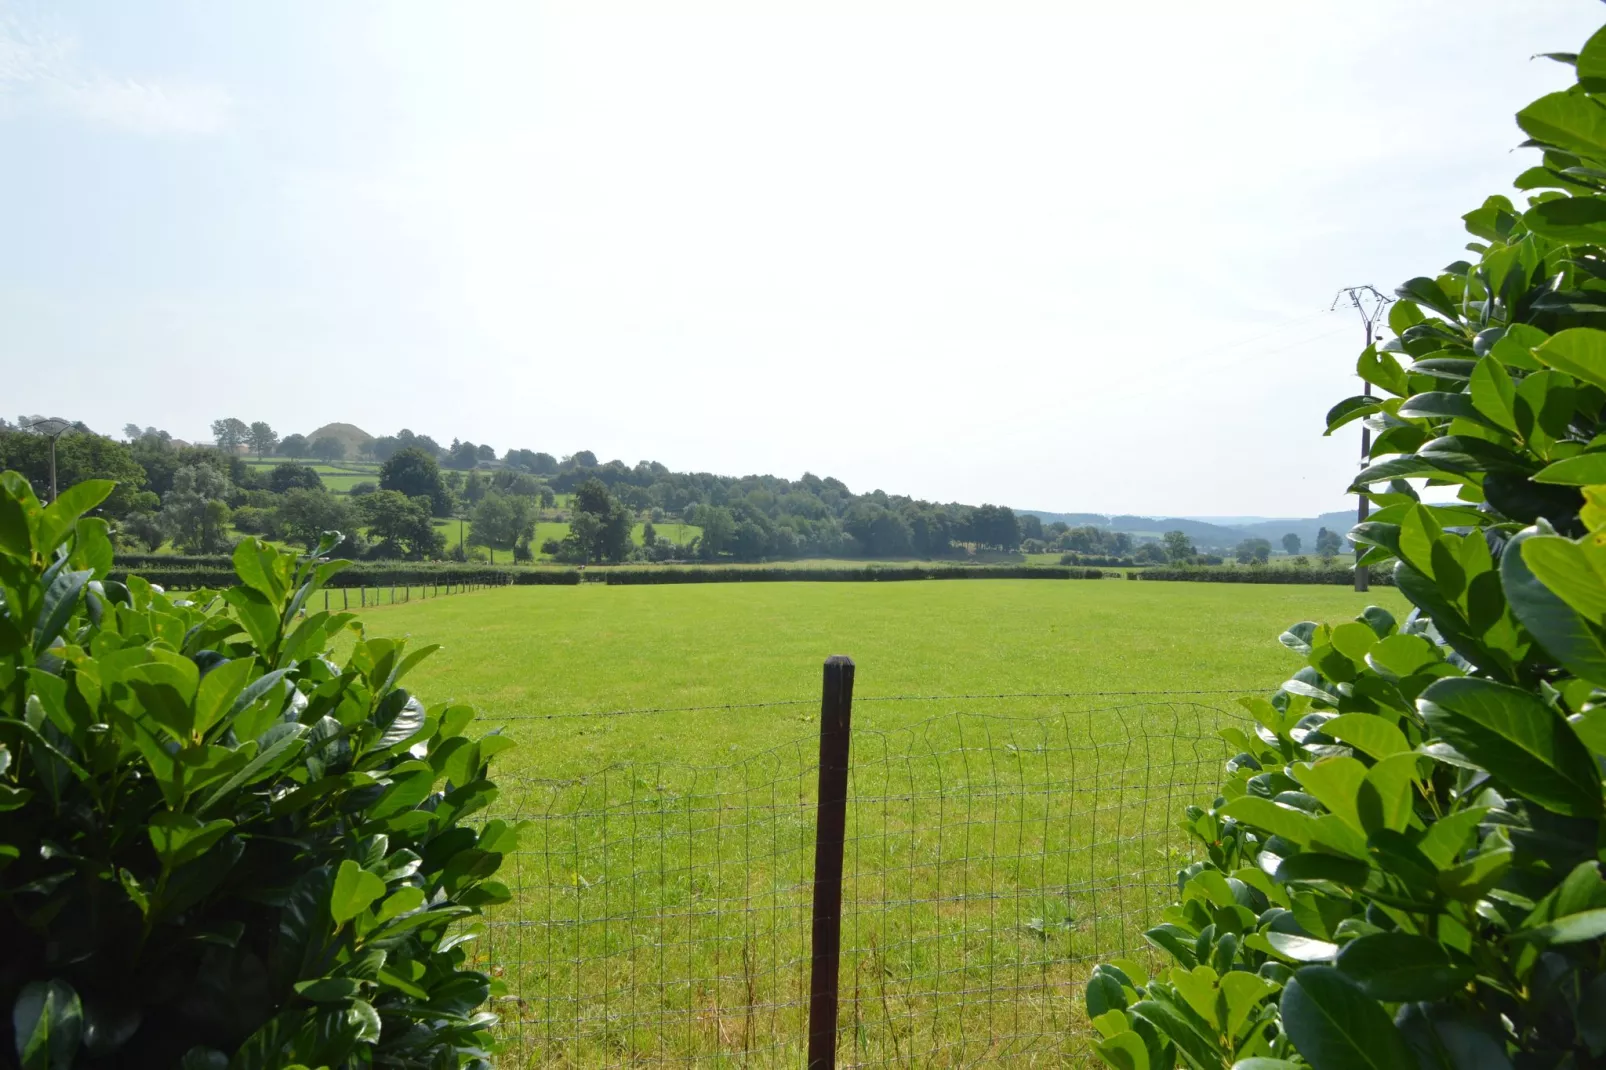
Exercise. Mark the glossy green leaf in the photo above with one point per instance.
(1494, 393)
(1301, 948)
(1579, 471)
(1569, 219)
(1370, 734)
(328, 989)
(60, 599)
(1527, 744)
(1578, 351)
(1349, 410)
(1447, 837)
(1450, 1038)
(218, 689)
(1336, 782)
(1337, 1026)
(1427, 292)
(1124, 1051)
(1441, 405)
(1382, 370)
(60, 517)
(1384, 798)
(1396, 967)
(1570, 929)
(47, 1023)
(179, 838)
(1285, 821)
(1570, 121)
(1562, 630)
(354, 889)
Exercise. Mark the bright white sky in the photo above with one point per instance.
(1068, 257)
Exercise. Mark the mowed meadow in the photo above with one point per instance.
(1022, 752)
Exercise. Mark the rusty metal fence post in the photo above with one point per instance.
(836, 716)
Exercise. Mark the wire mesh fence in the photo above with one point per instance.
(995, 848)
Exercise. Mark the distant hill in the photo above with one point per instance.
(350, 434)
(1274, 530)
(1214, 533)
(1075, 520)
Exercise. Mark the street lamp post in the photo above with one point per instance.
(52, 427)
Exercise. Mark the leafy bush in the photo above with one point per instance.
(1404, 867)
(220, 846)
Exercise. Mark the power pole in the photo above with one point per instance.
(1370, 303)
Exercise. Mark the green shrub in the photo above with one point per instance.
(220, 846)
(1403, 869)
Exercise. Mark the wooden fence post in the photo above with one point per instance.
(363, 594)
(345, 598)
(836, 717)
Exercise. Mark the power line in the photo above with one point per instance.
(1370, 303)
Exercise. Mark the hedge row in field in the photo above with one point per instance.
(358, 574)
(389, 574)
(846, 575)
(1337, 577)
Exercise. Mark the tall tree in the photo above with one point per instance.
(195, 510)
(500, 521)
(286, 477)
(1253, 552)
(262, 438)
(1328, 543)
(329, 448)
(414, 472)
(305, 515)
(402, 525)
(1291, 543)
(230, 434)
(293, 447)
(1178, 547)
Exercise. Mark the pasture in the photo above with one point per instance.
(997, 846)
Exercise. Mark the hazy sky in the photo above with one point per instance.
(1070, 256)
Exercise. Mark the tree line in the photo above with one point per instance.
(200, 497)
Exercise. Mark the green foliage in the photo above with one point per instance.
(1404, 866)
(412, 471)
(600, 528)
(220, 846)
(1253, 552)
(1178, 547)
(328, 449)
(262, 438)
(79, 456)
(287, 477)
(500, 521)
(294, 446)
(402, 525)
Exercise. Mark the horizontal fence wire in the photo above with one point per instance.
(858, 700)
(994, 852)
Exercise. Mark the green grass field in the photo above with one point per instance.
(997, 847)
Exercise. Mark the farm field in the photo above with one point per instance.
(997, 846)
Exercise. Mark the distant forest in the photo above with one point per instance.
(200, 497)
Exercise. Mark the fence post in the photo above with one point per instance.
(345, 598)
(363, 592)
(836, 716)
